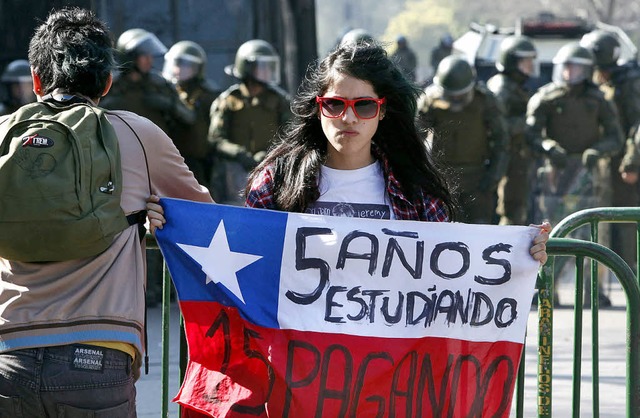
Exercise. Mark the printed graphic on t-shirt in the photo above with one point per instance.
(351, 210)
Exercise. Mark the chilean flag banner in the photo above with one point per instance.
(300, 315)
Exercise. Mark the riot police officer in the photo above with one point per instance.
(468, 135)
(405, 58)
(17, 85)
(443, 49)
(245, 117)
(516, 64)
(571, 122)
(139, 88)
(184, 67)
(621, 84)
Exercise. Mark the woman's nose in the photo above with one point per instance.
(349, 115)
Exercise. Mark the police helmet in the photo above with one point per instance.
(455, 78)
(357, 35)
(604, 46)
(572, 64)
(515, 53)
(140, 42)
(136, 42)
(17, 71)
(184, 61)
(455, 75)
(256, 59)
(16, 79)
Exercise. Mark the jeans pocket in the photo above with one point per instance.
(10, 407)
(124, 410)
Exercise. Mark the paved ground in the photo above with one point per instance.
(149, 386)
(612, 362)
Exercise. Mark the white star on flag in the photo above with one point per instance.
(219, 263)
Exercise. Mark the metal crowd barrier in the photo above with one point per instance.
(166, 301)
(558, 246)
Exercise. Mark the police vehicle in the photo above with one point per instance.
(481, 44)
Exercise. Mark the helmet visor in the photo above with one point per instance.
(22, 92)
(179, 69)
(266, 69)
(569, 73)
(529, 66)
(150, 45)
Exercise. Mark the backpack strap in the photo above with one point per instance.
(140, 218)
(144, 152)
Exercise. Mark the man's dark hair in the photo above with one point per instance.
(72, 51)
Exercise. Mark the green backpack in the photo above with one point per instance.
(60, 183)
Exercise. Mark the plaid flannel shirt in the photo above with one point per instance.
(427, 208)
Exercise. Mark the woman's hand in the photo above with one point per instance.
(155, 213)
(539, 248)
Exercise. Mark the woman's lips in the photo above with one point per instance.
(348, 133)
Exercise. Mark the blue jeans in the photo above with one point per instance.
(69, 381)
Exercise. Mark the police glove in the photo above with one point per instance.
(237, 153)
(590, 157)
(242, 157)
(558, 156)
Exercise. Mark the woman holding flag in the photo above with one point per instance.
(353, 149)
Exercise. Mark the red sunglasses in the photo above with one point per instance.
(335, 107)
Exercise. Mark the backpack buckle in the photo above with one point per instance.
(109, 188)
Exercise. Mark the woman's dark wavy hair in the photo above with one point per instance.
(301, 146)
(72, 51)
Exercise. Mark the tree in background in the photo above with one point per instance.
(336, 17)
(423, 23)
(604, 9)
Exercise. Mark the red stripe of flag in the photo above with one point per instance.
(237, 369)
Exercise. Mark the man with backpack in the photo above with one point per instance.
(74, 180)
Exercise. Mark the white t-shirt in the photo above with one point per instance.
(360, 193)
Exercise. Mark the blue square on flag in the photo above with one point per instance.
(221, 257)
